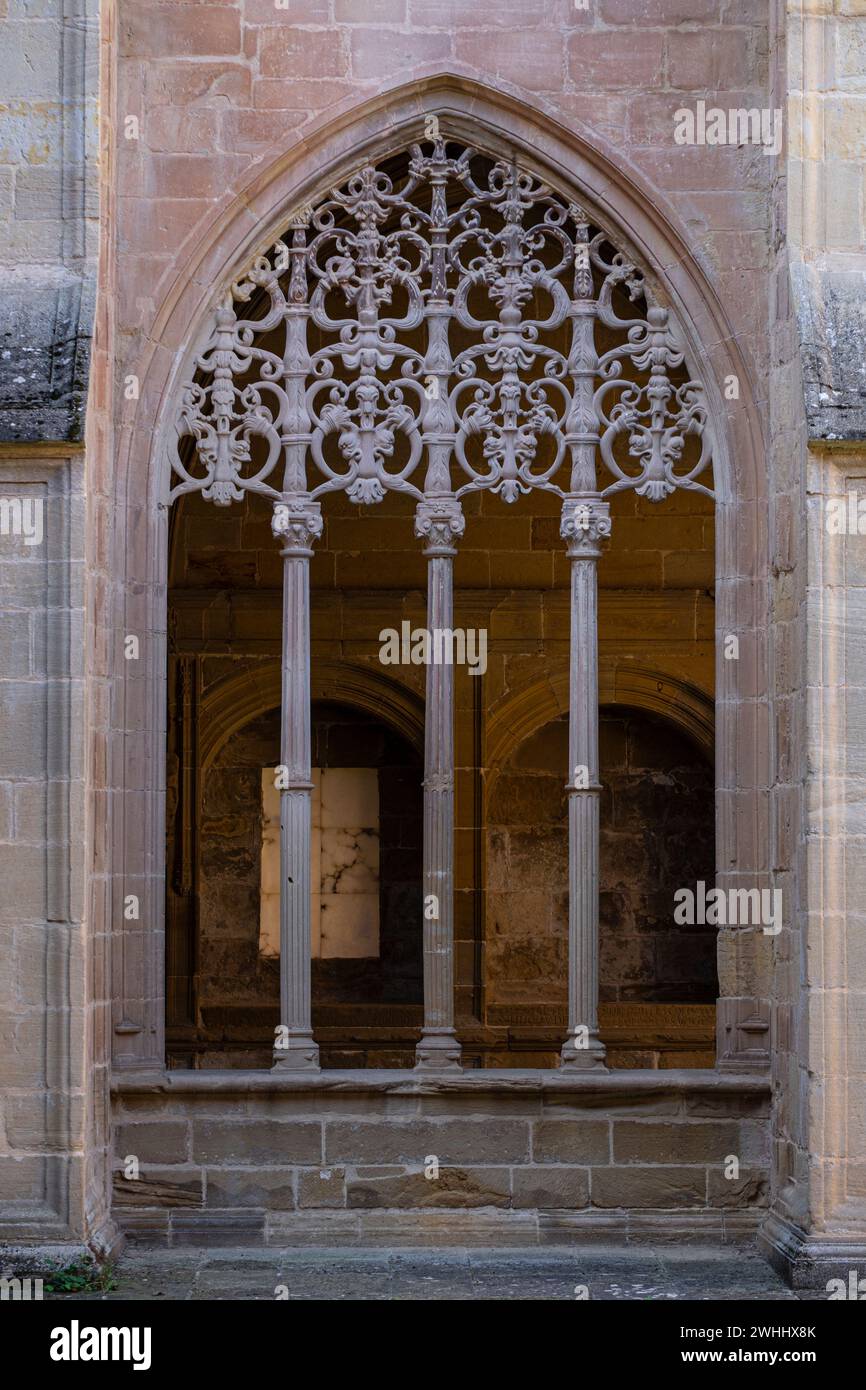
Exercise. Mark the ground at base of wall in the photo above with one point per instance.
(607, 1273)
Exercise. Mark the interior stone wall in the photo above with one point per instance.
(657, 835)
(656, 616)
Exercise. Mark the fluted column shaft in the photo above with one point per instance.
(439, 522)
(299, 523)
(585, 526)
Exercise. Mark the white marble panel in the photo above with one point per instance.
(344, 863)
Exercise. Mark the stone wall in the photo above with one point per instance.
(222, 89)
(49, 208)
(657, 835)
(817, 1226)
(53, 980)
(53, 1085)
(238, 987)
(225, 1160)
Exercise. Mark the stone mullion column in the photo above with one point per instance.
(439, 521)
(299, 522)
(585, 525)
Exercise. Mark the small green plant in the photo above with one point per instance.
(83, 1276)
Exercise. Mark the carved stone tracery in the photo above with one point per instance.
(414, 336)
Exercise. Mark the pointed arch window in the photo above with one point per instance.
(441, 323)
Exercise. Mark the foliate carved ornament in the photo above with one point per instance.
(440, 522)
(585, 526)
(441, 324)
(297, 522)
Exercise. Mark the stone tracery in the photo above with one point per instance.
(449, 326)
(510, 263)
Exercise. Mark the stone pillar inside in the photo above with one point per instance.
(585, 526)
(299, 523)
(439, 522)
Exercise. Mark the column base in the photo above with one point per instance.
(812, 1261)
(301, 1053)
(438, 1050)
(584, 1058)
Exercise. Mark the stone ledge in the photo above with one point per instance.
(618, 1084)
(413, 1228)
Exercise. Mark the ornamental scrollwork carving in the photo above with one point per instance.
(441, 323)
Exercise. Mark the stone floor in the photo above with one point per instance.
(609, 1274)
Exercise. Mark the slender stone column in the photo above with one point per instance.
(585, 526)
(439, 521)
(298, 522)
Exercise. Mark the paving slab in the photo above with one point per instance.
(609, 1274)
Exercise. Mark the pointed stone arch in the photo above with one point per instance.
(641, 220)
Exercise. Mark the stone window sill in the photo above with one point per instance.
(617, 1084)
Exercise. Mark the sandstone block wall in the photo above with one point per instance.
(221, 88)
(50, 1076)
(220, 1162)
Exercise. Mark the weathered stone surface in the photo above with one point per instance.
(456, 1141)
(571, 1141)
(750, 1188)
(664, 1188)
(154, 1142)
(454, 1187)
(161, 1188)
(239, 1187)
(217, 1228)
(322, 1187)
(656, 836)
(832, 321)
(695, 1142)
(550, 1187)
(45, 333)
(259, 1142)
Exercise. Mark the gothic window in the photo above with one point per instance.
(441, 324)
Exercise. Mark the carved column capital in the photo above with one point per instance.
(439, 521)
(297, 521)
(585, 525)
